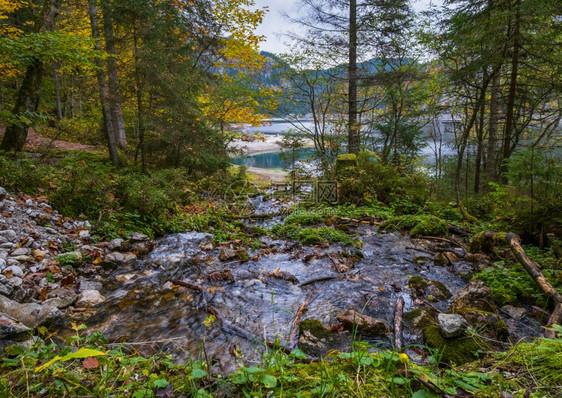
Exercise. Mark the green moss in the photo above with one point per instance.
(417, 319)
(454, 351)
(417, 281)
(481, 243)
(423, 225)
(442, 288)
(487, 322)
(347, 157)
(315, 328)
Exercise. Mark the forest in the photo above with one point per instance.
(401, 237)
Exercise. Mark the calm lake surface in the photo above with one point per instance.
(276, 160)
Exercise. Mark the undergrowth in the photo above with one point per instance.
(90, 367)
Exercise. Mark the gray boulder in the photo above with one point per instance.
(3, 194)
(31, 314)
(452, 325)
(12, 329)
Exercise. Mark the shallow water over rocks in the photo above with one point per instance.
(257, 299)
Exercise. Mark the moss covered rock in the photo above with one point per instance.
(416, 320)
(488, 324)
(488, 242)
(316, 340)
(352, 320)
(430, 289)
(455, 351)
(423, 225)
(474, 296)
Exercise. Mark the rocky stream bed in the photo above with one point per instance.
(185, 295)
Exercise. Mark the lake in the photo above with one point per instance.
(275, 160)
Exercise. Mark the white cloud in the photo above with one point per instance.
(274, 24)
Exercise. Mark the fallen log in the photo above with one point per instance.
(398, 341)
(298, 316)
(514, 243)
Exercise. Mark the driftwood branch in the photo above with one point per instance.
(295, 327)
(556, 317)
(398, 341)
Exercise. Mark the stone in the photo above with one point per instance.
(24, 259)
(429, 288)
(452, 325)
(3, 194)
(514, 312)
(31, 314)
(115, 258)
(13, 270)
(12, 329)
(207, 247)
(7, 246)
(115, 244)
(364, 323)
(89, 284)
(227, 254)
(137, 237)
(64, 296)
(21, 252)
(90, 298)
(5, 289)
(474, 296)
(44, 218)
(138, 247)
(120, 258)
(15, 281)
(10, 235)
(84, 234)
(224, 276)
(39, 254)
(417, 319)
(2, 264)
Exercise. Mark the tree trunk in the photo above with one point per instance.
(112, 146)
(353, 128)
(140, 108)
(479, 150)
(113, 78)
(491, 161)
(57, 90)
(510, 116)
(29, 92)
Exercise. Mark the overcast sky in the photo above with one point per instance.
(274, 23)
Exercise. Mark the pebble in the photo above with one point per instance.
(9, 234)
(3, 193)
(2, 264)
(89, 298)
(15, 270)
(21, 252)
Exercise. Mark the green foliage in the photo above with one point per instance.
(118, 202)
(53, 370)
(313, 236)
(423, 225)
(456, 351)
(374, 181)
(510, 283)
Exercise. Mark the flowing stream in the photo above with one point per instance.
(145, 309)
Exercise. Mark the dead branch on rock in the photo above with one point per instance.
(295, 327)
(556, 317)
(398, 342)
